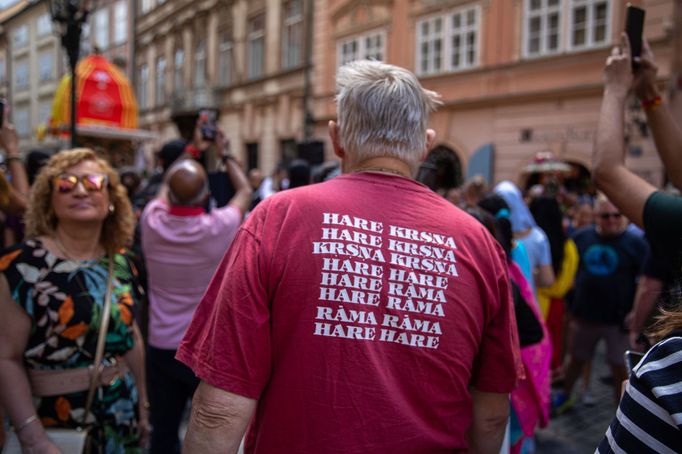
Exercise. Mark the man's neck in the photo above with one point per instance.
(382, 164)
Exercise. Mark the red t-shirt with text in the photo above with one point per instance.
(358, 312)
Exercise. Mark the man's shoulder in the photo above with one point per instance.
(585, 233)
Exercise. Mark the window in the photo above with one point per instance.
(44, 25)
(142, 87)
(200, 64)
(20, 36)
(430, 45)
(120, 22)
(160, 81)
(146, 5)
(292, 34)
(46, 60)
(256, 46)
(367, 46)
(44, 110)
(179, 63)
(288, 150)
(589, 23)
(542, 29)
(22, 120)
(448, 42)
(101, 27)
(252, 155)
(225, 56)
(21, 74)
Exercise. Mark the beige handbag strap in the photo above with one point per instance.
(99, 352)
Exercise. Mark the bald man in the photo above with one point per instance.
(182, 245)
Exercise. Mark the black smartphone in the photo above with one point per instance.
(634, 27)
(631, 359)
(2, 112)
(208, 128)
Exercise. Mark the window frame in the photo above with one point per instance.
(590, 21)
(544, 14)
(19, 122)
(251, 38)
(143, 86)
(24, 33)
(446, 35)
(225, 48)
(26, 81)
(120, 23)
(361, 44)
(46, 54)
(160, 82)
(200, 59)
(292, 23)
(101, 30)
(44, 107)
(178, 70)
(44, 25)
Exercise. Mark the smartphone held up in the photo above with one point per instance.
(208, 118)
(634, 27)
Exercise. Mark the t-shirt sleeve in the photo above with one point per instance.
(17, 273)
(228, 342)
(498, 365)
(230, 217)
(663, 225)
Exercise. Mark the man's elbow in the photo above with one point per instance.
(209, 413)
(494, 422)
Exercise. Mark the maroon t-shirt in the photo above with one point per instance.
(358, 312)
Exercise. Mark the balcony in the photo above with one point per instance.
(188, 101)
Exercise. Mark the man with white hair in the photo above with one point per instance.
(365, 313)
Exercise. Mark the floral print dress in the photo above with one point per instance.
(64, 299)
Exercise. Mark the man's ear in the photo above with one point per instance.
(430, 139)
(334, 136)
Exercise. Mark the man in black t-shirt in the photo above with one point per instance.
(611, 258)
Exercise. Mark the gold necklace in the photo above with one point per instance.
(66, 255)
(380, 169)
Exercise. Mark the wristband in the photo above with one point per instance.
(9, 159)
(26, 422)
(651, 104)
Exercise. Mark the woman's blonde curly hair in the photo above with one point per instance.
(40, 219)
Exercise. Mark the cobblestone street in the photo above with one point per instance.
(580, 429)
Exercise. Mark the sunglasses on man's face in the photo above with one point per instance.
(92, 182)
(606, 216)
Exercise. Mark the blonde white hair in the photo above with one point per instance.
(382, 110)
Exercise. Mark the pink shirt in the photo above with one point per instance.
(181, 253)
(358, 312)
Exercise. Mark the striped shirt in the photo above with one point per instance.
(649, 416)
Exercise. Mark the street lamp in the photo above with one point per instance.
(69, 16)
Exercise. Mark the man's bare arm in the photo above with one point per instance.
(218, 421)
(626, 190)
(665, 131)
(490, 414)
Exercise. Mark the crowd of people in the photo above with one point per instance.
(362, 313)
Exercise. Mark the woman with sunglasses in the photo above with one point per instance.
(52, 288)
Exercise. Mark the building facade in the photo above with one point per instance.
(109, 30)
(33, 64)
(516, 77)
(243, 58)
(32, 60)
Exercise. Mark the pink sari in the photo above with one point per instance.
(531, 399)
